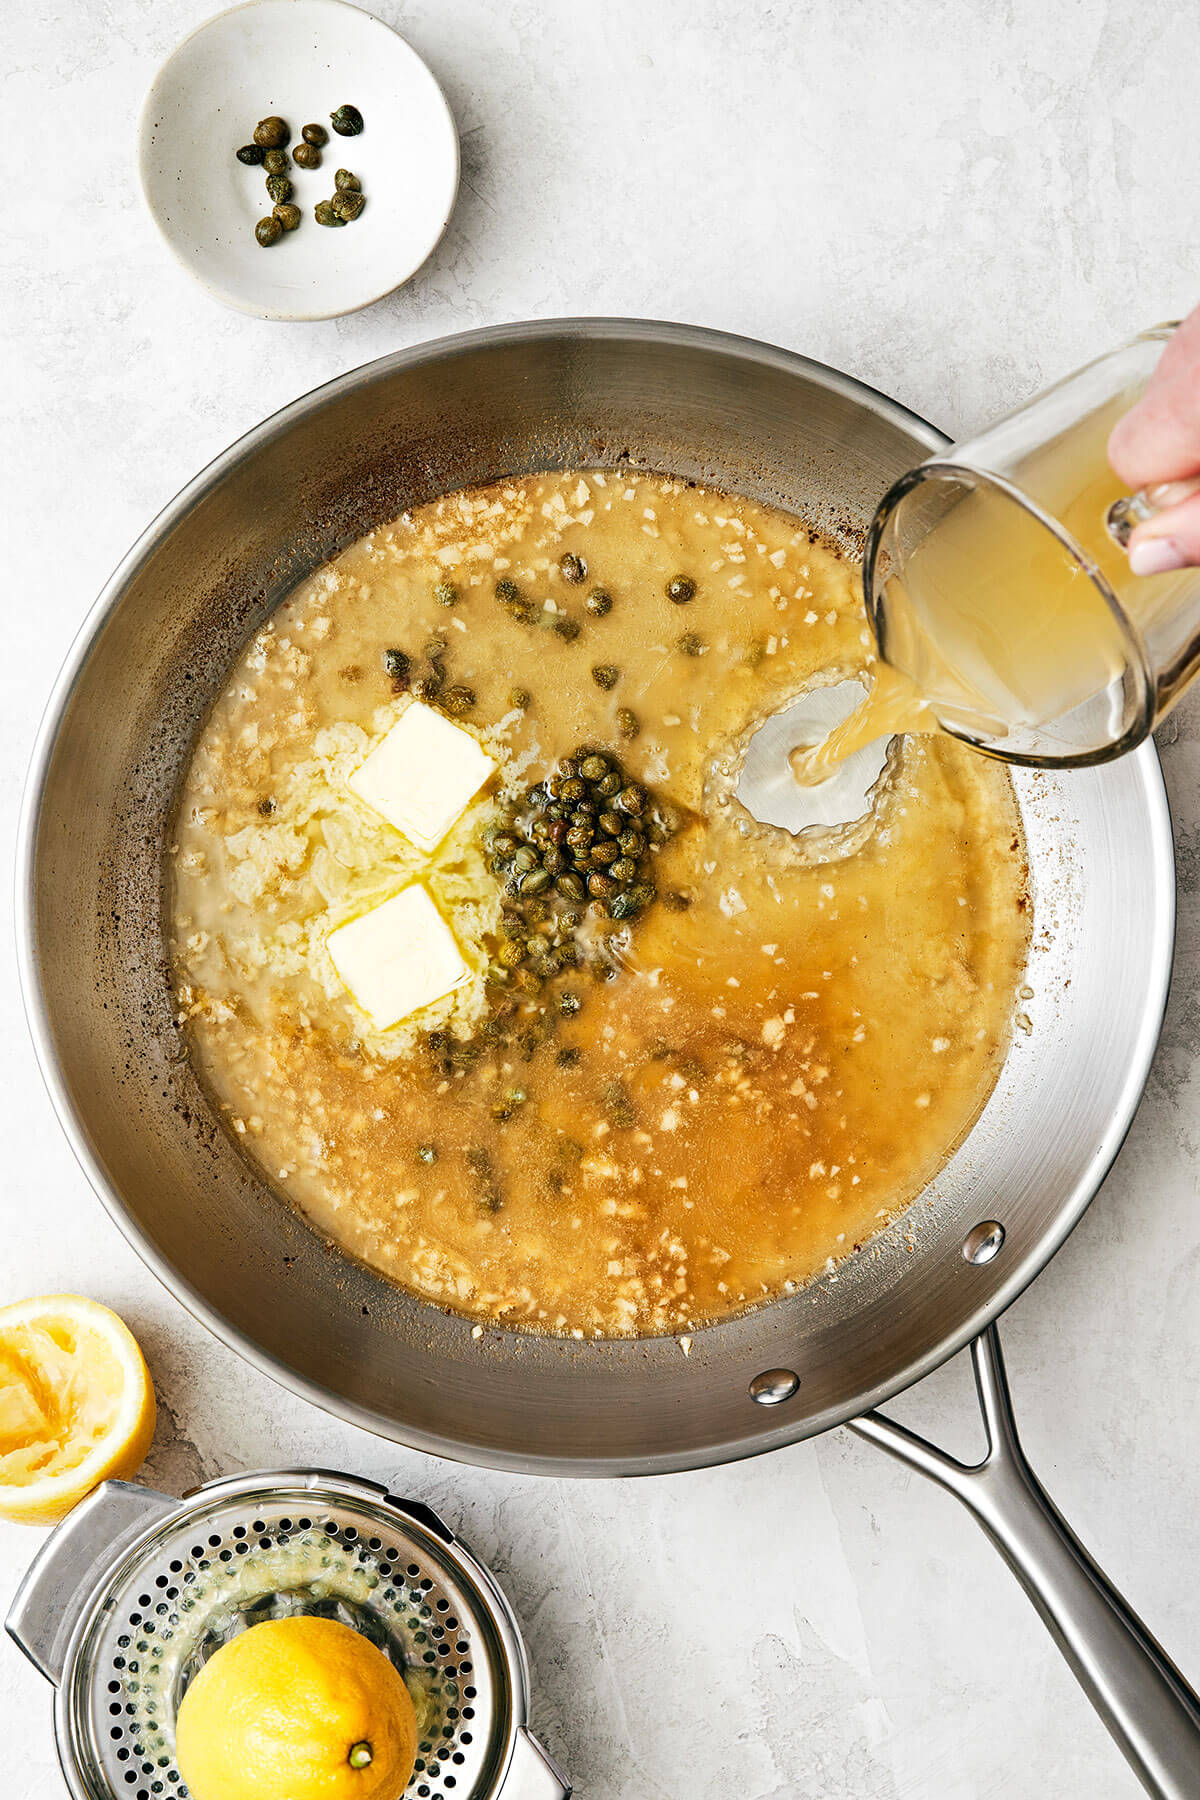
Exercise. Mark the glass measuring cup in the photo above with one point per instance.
(996, 579)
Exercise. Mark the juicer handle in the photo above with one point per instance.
(532, 1772)
(1139, 1693)
(47, 1606)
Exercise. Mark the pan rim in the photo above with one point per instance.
(1068, 1212)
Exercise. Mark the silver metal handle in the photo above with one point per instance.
(532, 1772)
(47, 1605)
(1135, 1687)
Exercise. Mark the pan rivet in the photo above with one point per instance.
(984, 1242)
(774, 1386)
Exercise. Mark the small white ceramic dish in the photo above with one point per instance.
(300, 59)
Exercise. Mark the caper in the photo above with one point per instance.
(554, 860)
(458, 700)
(525, 858)
(396, 663)
(511, 926)
(519, 698)
(604, 852)
(315, 134)
(631, 800)
(347, 121)
(600, 885)
(252, 155)
(632, 843)
(573, 789)
(568, 768)
(624, 869)
(324, 214)
(611, 784)
(579, 837)
(644, 892)
(279, 188)
(272, 133)
(605, 676)
(566, 628)
(427, 1153)
(276, 162)
(691, 644)
(345, 178)
(268, 232)
(572, 568)
(511, 953)
(266, 807)
(535, 881)
(446, 594)
(593, 768)
(288, 215)
(623, 905)
(619, 1106)
(568, 1003)
(537, 911)
(612, 823)
(570, 1056)
(681, 589)
(571, 886)
(428, 688)
(676, 902)
(347, 204)
(599, 602)
(627, 723)
(306, 156)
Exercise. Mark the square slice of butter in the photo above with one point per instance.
(398, 958)
(421, 775)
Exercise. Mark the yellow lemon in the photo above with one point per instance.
(297, 1709)
(76, 1405)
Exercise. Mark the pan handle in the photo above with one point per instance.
(1135, 1687)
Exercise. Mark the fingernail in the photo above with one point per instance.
(1155, 556)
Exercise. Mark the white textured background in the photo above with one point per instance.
(956, 201)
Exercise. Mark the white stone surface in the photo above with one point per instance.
(956, 201)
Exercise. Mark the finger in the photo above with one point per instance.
(1171, 540)
(1159, 439)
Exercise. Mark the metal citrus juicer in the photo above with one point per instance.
(135, 1590)
(1040, 479)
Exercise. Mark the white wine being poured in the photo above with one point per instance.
(1003, 604)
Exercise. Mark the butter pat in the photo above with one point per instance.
(421, 775)
(398, 958)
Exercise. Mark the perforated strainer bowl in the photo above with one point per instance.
(132, 1594)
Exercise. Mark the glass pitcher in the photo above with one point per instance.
(996, 579)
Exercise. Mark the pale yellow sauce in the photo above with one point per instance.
(801, 1047)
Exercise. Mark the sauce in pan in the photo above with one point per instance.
(652, 1100)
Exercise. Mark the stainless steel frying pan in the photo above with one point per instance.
(154, 654)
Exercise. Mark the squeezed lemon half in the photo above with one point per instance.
(76, 1405)
(297, 1709)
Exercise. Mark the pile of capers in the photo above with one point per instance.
(269, 151)
(585, 834)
